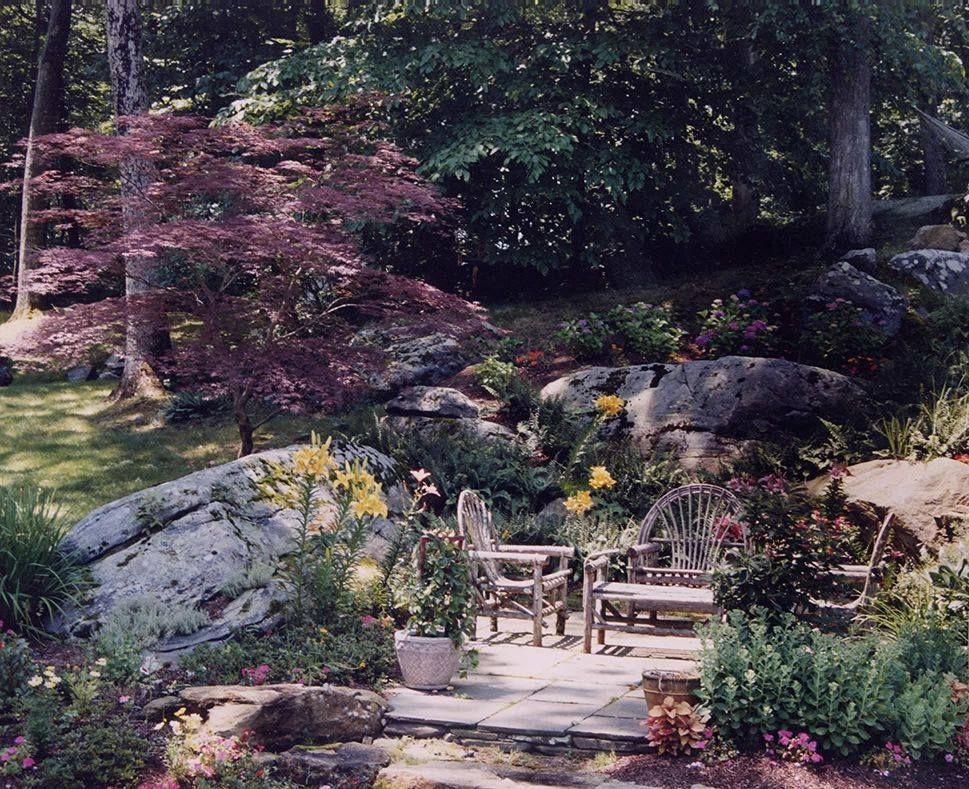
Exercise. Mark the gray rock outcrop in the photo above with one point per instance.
(939, 270)
(702, 411)
(433, 401)
(881, 305)
(209, 536)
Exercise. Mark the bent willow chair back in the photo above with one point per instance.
(476, 526)
(694, 524)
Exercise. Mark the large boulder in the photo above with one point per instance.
(864, 259)
(881, 305)
(206, 540)
(923, 495)
(703, 411)
(912, 211)
(433, 401)
(944, 237)
(281, 716)
(418, 356)
(942, 271)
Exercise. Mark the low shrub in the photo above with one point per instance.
(16, 666)
(358, 652)
(759, 675)
(839, 337)
(793, 549)
(503, 381)
(585, 338)
(740, 325)
(36, 577)
(78, 732)
(647, 330)
(188, 406)
(501, 471)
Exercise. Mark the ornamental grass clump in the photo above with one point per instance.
(37, 578)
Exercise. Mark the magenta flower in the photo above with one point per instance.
(28, 763)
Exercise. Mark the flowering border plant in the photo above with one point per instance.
(739, 325)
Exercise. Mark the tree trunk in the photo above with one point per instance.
(246, 430)
(143, 337)
(46, 117)
(319, 21)
(933, 162)
(849, 172)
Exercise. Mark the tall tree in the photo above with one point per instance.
(47, 115)
(849, 170)
(126, 64)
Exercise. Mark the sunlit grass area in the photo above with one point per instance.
(72, 438)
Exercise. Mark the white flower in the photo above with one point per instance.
(95, 674)
(34, 681)
(101, 661)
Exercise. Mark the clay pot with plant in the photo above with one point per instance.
(442, 610)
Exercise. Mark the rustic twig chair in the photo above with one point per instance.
(497, 594)
(869, 575)
(688, 529)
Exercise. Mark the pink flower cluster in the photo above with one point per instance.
(790, 747)
(257, 675)
(772, 483)
(897, 754)
(16, 756)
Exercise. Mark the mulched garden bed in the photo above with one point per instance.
(759, 772)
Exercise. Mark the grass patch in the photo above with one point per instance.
(71, 438)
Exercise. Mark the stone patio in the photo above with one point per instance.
(548, 699)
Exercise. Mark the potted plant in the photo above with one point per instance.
(442, 611)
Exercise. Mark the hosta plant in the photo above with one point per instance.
(677, 727)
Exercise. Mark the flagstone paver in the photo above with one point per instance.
(553, 697)
(632, 705)
(538, 717)
(602, 726)
(581, 692)
(441, 709)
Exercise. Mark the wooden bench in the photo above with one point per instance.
(691, 527)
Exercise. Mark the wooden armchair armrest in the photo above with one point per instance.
(557, 577)
(599, 559)
(548, 550)
(643, 548)
(513, 558)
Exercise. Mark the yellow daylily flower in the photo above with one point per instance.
(609, 405)
(369, 503)
(315, 460)
(579, 503)
(600, 478)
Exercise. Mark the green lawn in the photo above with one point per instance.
(70, 437)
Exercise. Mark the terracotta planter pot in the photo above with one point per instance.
(657, 685)
(426, 663)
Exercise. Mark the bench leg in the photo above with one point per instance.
(537, 600)
(587, 604)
